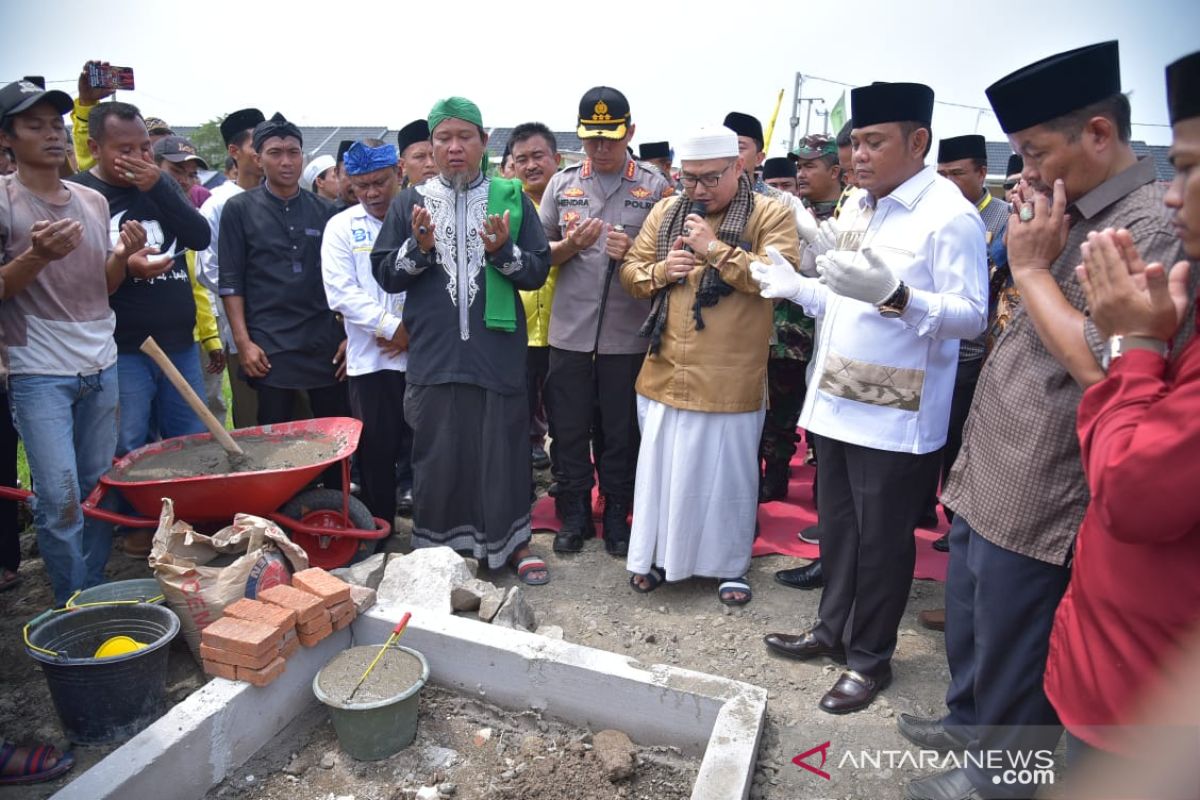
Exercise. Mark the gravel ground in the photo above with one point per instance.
(589, 597)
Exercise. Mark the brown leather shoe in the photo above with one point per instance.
(934, 619)
(803, 646)
(854, 692)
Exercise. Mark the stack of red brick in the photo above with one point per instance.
(253, 639)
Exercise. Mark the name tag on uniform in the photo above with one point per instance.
(297, 267)
(311, 232)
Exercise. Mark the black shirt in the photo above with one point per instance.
(269, 252)
(447, 289)
(162, 307)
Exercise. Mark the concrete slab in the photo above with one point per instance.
(210, 734)
(219, 727)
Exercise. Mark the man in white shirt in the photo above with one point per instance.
(376, 341)
(905, 283)
(237, 130)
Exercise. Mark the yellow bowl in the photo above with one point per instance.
(118, 646)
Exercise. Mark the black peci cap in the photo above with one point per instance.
(956, 148)
(242, 120)
(410, 134)
(745, 125)
(1183, 88)
(649, 150)
(1055, 86)
(891, 102)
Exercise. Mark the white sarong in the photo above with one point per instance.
(695, 497)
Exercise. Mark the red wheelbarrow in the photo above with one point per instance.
(328, 524)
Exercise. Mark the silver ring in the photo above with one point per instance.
(491, 237)
(687, 231)
(1026, 212)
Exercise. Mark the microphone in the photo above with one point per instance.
(700, 208)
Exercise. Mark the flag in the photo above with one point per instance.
(837, 116)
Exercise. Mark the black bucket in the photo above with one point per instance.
(101, 700)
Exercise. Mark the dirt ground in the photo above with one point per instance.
(590, 598)
(470, 749)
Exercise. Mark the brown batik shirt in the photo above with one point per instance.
(1018, 479)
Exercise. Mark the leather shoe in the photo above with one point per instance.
(934, 619)
(538, 457)
(803, 646)
(810, 576)
(927, 734)
(942, 543)
(950, 785)
(404, 503)
(854, 692)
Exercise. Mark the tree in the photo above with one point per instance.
(210, 144)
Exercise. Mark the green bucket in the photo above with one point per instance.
(371, 727)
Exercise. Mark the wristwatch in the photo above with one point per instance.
(712, 249)
(895, 303)
(1120, 345)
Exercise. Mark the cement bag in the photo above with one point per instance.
(200, 575)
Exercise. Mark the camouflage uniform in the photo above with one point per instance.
(790, 353)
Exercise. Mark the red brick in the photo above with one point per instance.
(310, 639)
(289, 645)
(317, 581)
(261, 677)
(317, 623)
(235, 659)
(344, 622)
(307, 606)
(341, 609)
(266, 613)
(241, 636)
(218, 670)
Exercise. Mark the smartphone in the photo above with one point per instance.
(102, 77)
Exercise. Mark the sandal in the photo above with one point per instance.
(728, 588)
(8, 579)
(527, 569)
(654, 578)
(34, 770)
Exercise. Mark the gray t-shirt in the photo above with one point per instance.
(61, 324)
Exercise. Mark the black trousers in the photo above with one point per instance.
(278, 405)
(965, 380)
(999, 611)
(10, 535)
(575, 384)
(537, 366)
(377, 399)
(870, 503)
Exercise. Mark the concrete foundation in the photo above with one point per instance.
(222, 725)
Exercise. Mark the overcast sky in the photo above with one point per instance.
(681, 64)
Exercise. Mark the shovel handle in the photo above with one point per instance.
(151, 348)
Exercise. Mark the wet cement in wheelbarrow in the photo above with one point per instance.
(394, 674)
(207, 457)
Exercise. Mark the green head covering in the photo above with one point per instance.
(454, 108)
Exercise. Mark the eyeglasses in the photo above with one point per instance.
(707, 181)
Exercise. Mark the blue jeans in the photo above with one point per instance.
(149, 403)
(69, 426)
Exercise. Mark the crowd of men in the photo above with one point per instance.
(1032, 357)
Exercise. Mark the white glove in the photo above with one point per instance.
(777, 279)
(808, 261)
(806, 223)
(867, 279)
(827, 237)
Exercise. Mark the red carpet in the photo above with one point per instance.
(779, 523)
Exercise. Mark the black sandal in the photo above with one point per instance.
(655, 578)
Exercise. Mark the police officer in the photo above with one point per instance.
(591, 213)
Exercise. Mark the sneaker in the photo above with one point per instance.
(810, 535)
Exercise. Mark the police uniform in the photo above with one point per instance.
(595, 349)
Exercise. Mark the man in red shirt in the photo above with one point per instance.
(1134, 595)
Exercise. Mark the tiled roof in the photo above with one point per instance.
(998, 153)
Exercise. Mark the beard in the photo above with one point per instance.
(459, 181)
